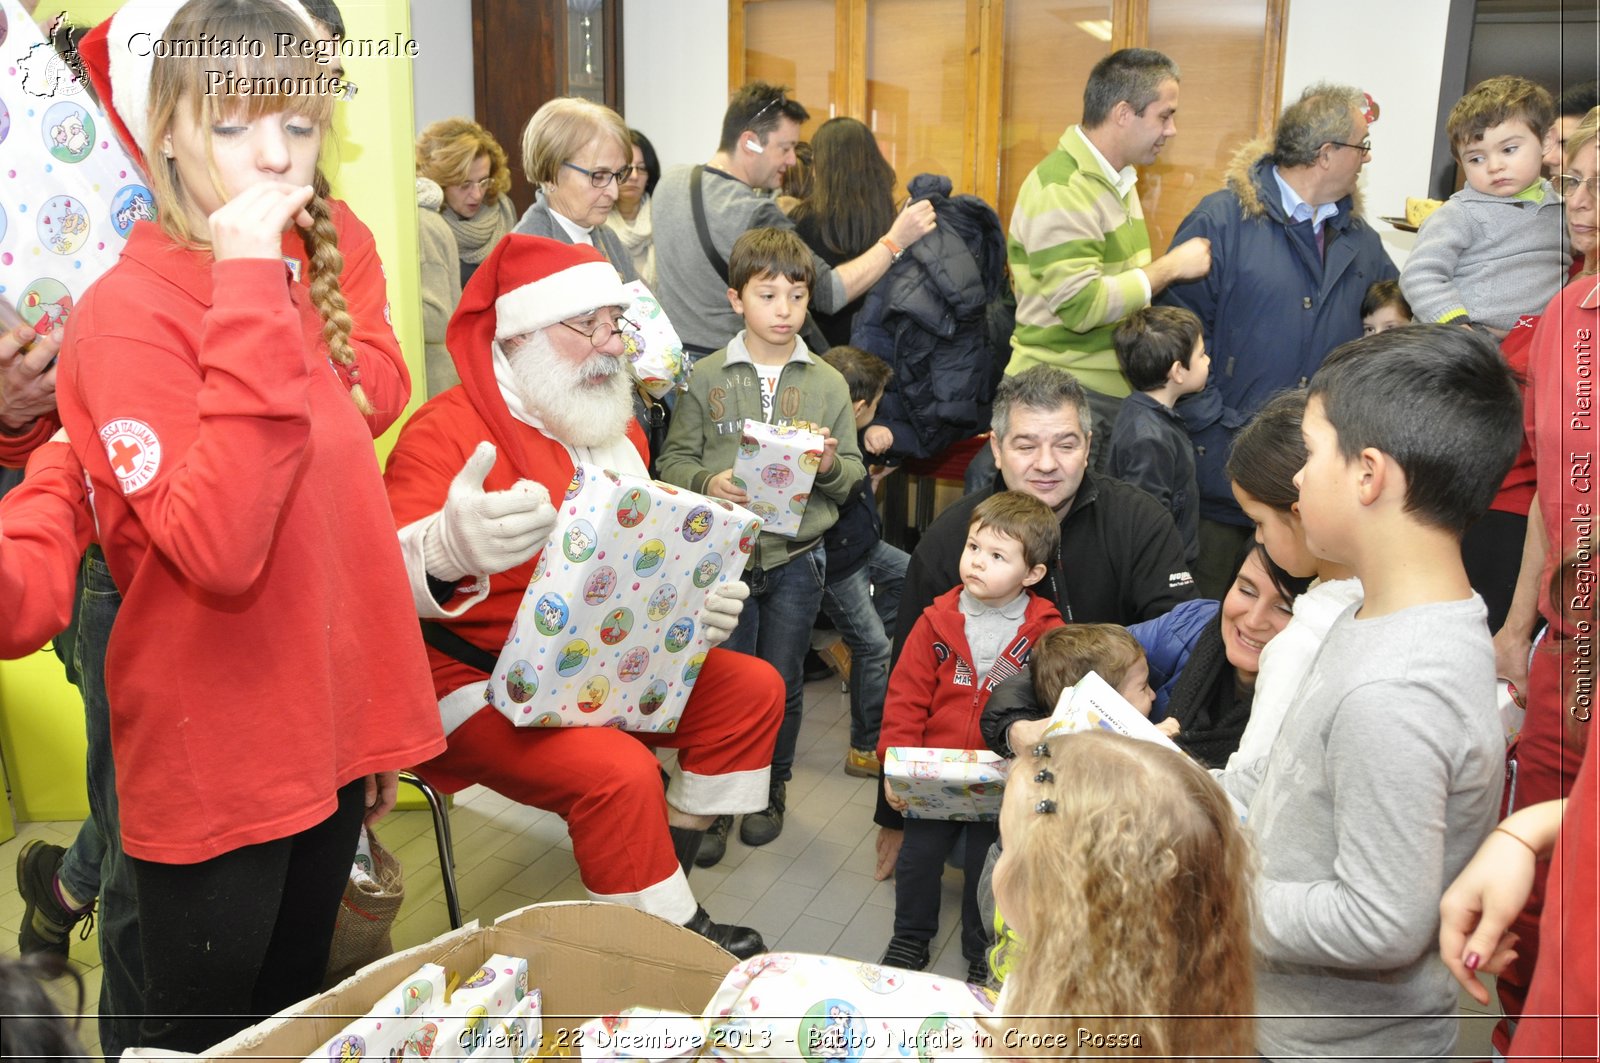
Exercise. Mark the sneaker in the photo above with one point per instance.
(978, 971)
(862, 763)
(46, 922)
(759, 828)
(715, 843)
(742, 941)
(906, 953)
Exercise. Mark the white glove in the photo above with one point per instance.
(482, 532)
(720, 615)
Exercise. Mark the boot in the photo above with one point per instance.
(759, 828)
(685, 845)
(715, 844)
(742, 941)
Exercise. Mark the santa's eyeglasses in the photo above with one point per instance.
(600, 332)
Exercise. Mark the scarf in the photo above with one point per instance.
(477, 235)
(1210, 709)
(637, 238)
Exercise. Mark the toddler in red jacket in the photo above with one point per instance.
(964, 644)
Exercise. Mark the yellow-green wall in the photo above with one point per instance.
(370, 165)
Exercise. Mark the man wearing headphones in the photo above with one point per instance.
(701, 210)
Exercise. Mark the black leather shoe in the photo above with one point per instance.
(715, 843)
(742, 941)
(759, 828)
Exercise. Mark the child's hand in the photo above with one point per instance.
(878, 472)
(1025, 733)
(721, 486)
(896, 802)
(830, 449)
(877, 439)
(1168, 727)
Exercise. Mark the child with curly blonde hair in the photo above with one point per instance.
(1128, 879)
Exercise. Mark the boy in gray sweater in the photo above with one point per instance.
(1497, 249)
(1387, 774)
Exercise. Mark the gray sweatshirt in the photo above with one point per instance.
(693, 294)
(1496, 257)
(1382, 783)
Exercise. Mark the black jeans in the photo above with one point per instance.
(233, 939)
(917, 875)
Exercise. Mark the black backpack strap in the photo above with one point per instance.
(697, 205)
(450, 644)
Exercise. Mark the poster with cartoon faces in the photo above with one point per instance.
(776, 466)
(609, 633)
(956, 784)
(69, 194)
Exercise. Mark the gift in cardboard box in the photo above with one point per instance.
(609, 633)
(776, 466)
(959, 784)
(1094, 705)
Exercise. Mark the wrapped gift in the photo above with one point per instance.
(398, 1024)
(960, 784)
(776, 467)
(1094, 705)
(642, 1034)
(71, 194)
(486, 995)
(609, 632)
(795, 1007)
(517, 1036)
(653, 347)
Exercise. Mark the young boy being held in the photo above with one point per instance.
(1162, 352)
(1066, 654)
(865, 574)
(1387, 774)
(970, 639)
(767, 374)
(1384, 307)
(1497, 249)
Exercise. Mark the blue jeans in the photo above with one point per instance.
(864, 607)
(776, 626)
(95, 863)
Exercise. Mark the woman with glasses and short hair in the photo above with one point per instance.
(577, 154)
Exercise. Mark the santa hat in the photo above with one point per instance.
(530, 283)
(121, 76)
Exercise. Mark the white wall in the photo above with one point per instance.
(1398, 66)
(675, 75)
(441, 76)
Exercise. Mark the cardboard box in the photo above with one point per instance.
(776, 466)
(609, 633)
(958, 784)
(587, 959)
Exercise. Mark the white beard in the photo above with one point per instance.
(585, 406)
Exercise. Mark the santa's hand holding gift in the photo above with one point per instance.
(545, 384)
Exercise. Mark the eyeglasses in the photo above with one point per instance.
(601, 178)
(601, 331)
(482, 185)
(1568, 184)
(1365, 147)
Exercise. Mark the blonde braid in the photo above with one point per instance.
(322, 248)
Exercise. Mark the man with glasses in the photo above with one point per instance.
(1291, 259)
(700, 211)
(538, 342)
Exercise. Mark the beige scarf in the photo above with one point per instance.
(477, 235)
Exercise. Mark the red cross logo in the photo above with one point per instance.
(125, 456)
(133, 451)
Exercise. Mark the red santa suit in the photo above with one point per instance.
(604, 782)
(265, 632)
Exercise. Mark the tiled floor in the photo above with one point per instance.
(811, 890)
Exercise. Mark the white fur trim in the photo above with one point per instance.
(730, 793)
(413, 538)
(567, 293)
(462, 704)
(670, 898)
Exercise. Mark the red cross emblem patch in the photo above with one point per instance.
(133, 451)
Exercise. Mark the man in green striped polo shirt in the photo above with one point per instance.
(1079, 251)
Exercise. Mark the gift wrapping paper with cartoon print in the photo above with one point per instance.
(959, 784)
(609, 633)
(776, 467)
(653, 347)
(70, 194)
